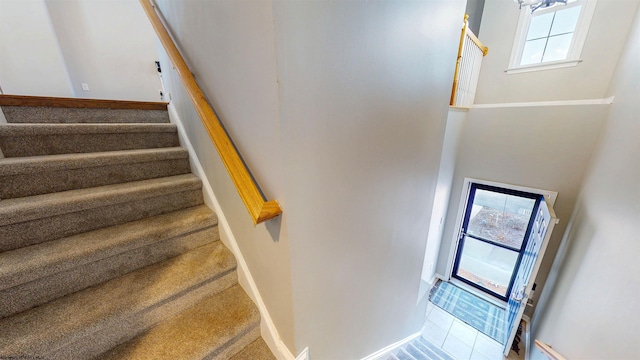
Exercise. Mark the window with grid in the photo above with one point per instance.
(552, 35)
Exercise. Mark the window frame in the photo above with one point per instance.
(577, 42)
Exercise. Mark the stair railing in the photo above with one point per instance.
(548, 351)
(259, 208)
(465, 79)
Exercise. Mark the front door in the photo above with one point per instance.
(543, 224)
(493, 236)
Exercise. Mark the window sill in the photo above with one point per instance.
(541, 67)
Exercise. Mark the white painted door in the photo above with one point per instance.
(532, 257)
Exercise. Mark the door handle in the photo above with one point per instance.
(520, 295)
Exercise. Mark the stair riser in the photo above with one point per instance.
(45, 289)
(52, 115)
(27, 233)
(106, 335)
(36, 183)
(53, 144)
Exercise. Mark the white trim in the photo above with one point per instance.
(543, 66)
(459, 108)
(606, 101)
(389, 349)
(464, 195)
(577, 42)
(527, 336)
(304, 354)
(267, 327)
(441, 277)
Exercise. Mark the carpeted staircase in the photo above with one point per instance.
(419, 349)
(106, 248)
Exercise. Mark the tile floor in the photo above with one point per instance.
(459, 339)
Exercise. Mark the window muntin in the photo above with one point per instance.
(551, 37)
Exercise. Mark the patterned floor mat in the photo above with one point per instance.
(481, 314)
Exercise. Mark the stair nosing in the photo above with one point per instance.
(114, 240)
(115, 307)
(59, 162)
(41, 129)
(30, 208)
(251, 323)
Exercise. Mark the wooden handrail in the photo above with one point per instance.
(24, 100)
(464, 33)
(259, 209)
(456, 74)
(548, 351)
(474, 38)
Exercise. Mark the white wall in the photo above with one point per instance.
(543, 147)
(230, 48)
(30, 58)
(455, 124)
(363, 94)
(588, 80)
(109, 45)
(591, 312)
(339, 108)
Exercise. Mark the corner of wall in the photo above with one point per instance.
(267, 327)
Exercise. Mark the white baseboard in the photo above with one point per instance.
(389, 349)
(267, 327)
(304, 354)
(527, 336)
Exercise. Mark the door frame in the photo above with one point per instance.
(520, 251)
(464, 194)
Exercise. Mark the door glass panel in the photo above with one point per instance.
(499, 217)
(487, 265)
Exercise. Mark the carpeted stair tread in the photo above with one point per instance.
(39, 206)
(33, 164)
(98, 318)
(210, 329)
(19, 140)
(52, 286)
(57, 129)
(32, 262)
(40, 218)
(257, 350)
(27, 176)
(44, 114)
(106, 246)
